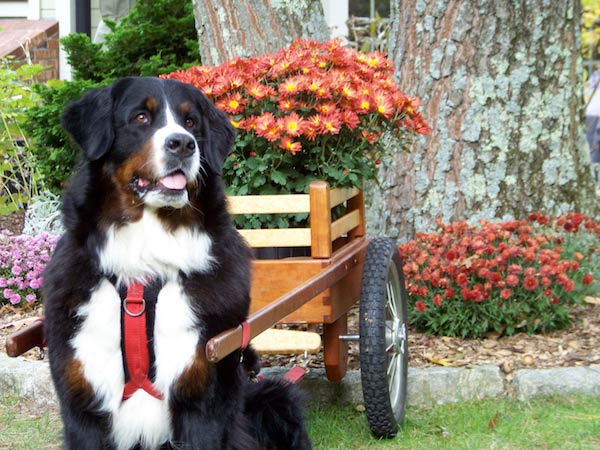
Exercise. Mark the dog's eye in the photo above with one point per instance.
(189, 123)
(142, 118)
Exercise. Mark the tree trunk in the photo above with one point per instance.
(243, 28)
(501, 85)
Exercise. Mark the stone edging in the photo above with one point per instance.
(430, 386)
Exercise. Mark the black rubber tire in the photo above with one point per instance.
(384, 403)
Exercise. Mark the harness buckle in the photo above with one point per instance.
(137, 314)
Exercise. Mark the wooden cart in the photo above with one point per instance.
(344, 267)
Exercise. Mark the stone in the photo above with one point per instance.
(561, 381)
(436, 386)
(28, 379)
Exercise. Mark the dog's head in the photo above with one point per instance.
(156, 139)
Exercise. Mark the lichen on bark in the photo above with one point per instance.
(501, 86)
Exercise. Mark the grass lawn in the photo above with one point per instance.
(550, 423)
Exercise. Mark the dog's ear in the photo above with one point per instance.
(218, 133)
(89, 122)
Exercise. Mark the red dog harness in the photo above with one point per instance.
(135, 343)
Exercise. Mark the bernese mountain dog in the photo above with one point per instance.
(147, 234)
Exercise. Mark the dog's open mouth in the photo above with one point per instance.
(173, 183)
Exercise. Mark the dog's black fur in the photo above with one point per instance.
(211, 406)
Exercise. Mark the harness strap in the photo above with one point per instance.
(135, 343)
(245, 335)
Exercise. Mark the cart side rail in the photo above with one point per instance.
(318, 204)
(336, 268)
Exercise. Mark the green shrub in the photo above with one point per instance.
(53, 152)
(18, 180)
(156, 37)
(516, 276)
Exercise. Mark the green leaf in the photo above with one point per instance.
(278, 177)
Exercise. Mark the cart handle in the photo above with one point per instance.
(31, 336)
(336, 268)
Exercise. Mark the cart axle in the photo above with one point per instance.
(349, 337)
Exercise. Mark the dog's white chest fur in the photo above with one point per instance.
(134, 252)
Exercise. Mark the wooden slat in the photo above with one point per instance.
(340, 195)
(320, 220)
(277, 237)
(345, 224)
(268, 204)
(357, 203)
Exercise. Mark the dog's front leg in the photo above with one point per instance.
(211, 414)
(85, 431)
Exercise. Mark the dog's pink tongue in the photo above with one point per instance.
(175, 181)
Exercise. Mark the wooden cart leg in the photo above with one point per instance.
(335, 351)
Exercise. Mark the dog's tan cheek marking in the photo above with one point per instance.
(194, 379)
(136, 164)
(77, 386)
(122, 204)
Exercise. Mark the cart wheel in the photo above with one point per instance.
(383, 337)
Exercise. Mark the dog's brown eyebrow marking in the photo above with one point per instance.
(151, 104)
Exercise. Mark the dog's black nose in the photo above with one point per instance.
(180, 144)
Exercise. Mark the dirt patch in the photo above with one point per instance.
(13, 222)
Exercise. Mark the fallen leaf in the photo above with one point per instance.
(528, 359)
(493, 422)
(18, 324)
(446, 362)
(592, 300)
(506, 367)
(444, 433)
(489, 343)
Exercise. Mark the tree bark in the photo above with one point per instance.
(501, 84)
(243, 28)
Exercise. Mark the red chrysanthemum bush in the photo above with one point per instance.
(311, 111)
(519, 275)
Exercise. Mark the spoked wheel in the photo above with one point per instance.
(383, 337)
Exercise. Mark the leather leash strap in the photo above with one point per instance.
(136, 343)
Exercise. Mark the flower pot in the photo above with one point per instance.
(280, 252)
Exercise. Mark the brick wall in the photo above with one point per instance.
(38, 37)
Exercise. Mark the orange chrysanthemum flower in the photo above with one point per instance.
(331, 123)
(233, 104)
(292, 124)
(290, 146)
